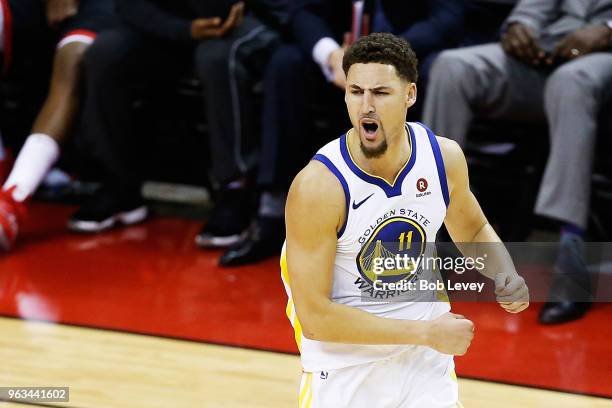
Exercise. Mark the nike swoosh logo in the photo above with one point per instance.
(357, 205)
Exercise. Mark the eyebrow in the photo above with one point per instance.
(376, 88)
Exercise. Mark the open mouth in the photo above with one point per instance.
(370, 127)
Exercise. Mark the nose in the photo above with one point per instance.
(367, 103)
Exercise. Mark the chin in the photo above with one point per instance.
(373, 150)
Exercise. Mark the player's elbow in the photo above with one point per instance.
(315, 329)
(311, 333)
(315, 322)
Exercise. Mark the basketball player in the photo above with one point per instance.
(384, 180)
(26, 28)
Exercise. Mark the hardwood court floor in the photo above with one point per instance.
(151, 279)
(117, 370)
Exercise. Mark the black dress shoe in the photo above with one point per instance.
(570, 294)
(562, 312)
(265, 239)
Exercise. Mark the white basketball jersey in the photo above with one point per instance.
(382, 219)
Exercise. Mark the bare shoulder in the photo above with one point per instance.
(451, 151)
(455, 164)
(317, 183)
(315, 195)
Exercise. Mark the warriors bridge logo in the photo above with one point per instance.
(394, 238)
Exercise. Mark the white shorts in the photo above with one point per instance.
(421, 378)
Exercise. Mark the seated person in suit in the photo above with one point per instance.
(229, 42)
(554, 64)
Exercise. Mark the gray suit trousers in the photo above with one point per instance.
(484, 81)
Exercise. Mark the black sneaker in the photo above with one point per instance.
(228, 221)
(107, 209)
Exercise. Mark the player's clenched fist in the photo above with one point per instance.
(450, 334)
(512, 292)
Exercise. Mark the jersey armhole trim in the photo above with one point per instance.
(347, 196)
(439, 163)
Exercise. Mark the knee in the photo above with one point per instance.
(450, 69)
(212, 55)
(570, 83)
(72, 53)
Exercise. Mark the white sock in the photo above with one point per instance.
(35, 159)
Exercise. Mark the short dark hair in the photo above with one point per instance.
(383, 48)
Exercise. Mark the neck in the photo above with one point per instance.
(390, 163)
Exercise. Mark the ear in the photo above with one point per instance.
(411, 94)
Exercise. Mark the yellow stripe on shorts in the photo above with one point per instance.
(290, 309)
(305, 399)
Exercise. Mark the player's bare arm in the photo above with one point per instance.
(315, 212)
(467, 225)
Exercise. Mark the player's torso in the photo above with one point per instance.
(382, 220)
(386, 220)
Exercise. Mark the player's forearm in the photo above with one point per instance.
(343, 324)
(487, 245)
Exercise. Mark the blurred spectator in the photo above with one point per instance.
(305, 72)
(483, 21)
(29, 27)
(554, 63)
(230, 43)
(430, 27)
